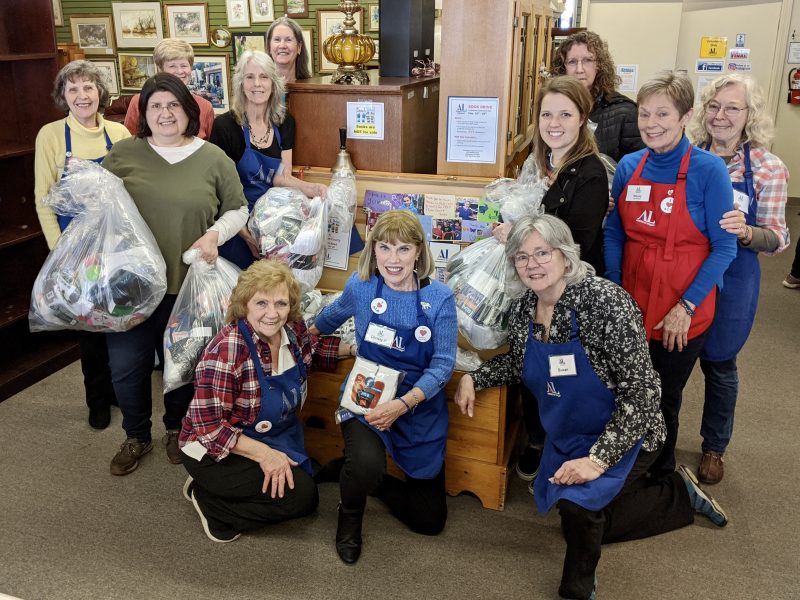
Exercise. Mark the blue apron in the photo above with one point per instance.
(574, 410)
(738, 299)
(416, 441)
(256, 171)
(64, 220)
(277, 424)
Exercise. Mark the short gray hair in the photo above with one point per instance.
(78, 70)
(276, 109)
(675, 86)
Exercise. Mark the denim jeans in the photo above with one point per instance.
(722, 387)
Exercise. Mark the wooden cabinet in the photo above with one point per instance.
(28, 65)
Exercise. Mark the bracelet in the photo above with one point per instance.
(408, 409)
(416, 398)
(747, 238)
(686, 307)
(598, 463)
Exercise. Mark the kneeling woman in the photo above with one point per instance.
(578, 343)
(246, 459)
(406, 322)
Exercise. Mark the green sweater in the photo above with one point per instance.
(178, 202)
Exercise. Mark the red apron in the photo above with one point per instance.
(664, 249)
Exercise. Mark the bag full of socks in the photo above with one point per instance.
(106, 272)
(197, 316)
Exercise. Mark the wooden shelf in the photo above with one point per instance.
(13, 234)
(12, 149)
(26, 56)
(42, 355)
(14, 308)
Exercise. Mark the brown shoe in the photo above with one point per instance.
(712, 468)
(127, 459)
(174, 454)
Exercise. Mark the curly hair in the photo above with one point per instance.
(276, 109)
(758, 130)
(79, 70)
(606, 81)
(264, 276)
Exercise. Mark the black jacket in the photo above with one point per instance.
(617, 132)
(580, 198)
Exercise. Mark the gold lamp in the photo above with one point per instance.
(349, 49)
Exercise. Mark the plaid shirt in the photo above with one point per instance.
(771, 180)
(227, 395)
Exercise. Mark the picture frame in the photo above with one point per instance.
(137, 24)
(221, 37)
(262, 11)
(134, 69)
(297, 9)
(373, 20)
(187, 22)
(377, 55)
(109, 69)
(248, 40)
(94, 35)
(330, 22)
(238, 13)
(211, 80)
(58, 13)
(308, 42)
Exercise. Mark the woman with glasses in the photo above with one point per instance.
(189, 195)
(577, 342)
(732, 122)
(585, 56)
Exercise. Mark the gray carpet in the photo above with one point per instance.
(72, 531)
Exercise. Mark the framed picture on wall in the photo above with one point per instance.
(109, 69)
(330, 22)
(187, 22)
(210, 80)
(134, 69)
(238, 13)
(308, 42)
(262, 11)
(297, 9)
(137, 24)
(374, 17)
(58, 14)
(94, 35)
(248, 40)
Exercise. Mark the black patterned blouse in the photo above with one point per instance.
(612, 333)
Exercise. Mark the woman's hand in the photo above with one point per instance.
(277, 468)
(248, 238)
(734, 222)
(576, 472)
(610, 205)
(465, 395)
(313, 330)
(317, 189)
(500, 233)
(676, 327)
(207, 244)
(382, 416)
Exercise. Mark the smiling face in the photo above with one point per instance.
(166, 119)
(396, 264)
(580, 63)
(181, 68)
(83, 100)
(284, 48)
(726, 116)
(660, 124)
(559, 124)
(545, 280)
(267, 313)
(257, 85)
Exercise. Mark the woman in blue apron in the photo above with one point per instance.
(242, 437)
(79, 91)
(577, 342)
(406, 322)
(732, 123)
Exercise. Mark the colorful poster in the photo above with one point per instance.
(448, 230)
(472, 231)
(412, 202)
(379, 201)
(440, 206)
(427, 226)
(467, 208)
(488, 212)
(713, 47)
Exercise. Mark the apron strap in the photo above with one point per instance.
(68, 140)
(748, 180)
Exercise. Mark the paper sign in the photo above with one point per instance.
(739, 54)
(338, 249)
(472, 129)
(629, 74)
(702, 82)
(442, 252)
(440, 206)
(365, 120)
(472, 231)
(713, 47)
(488, 212)
(793, 57)
(709, 66)
(740, 66)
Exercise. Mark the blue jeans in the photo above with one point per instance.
(131, 356)
(722, 387)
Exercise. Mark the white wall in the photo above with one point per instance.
(787, 121)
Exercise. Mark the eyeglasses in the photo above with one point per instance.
(729, 111)
(170, 106)
(540, 257)
(586, 62)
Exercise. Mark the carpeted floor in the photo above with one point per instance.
(72, 531)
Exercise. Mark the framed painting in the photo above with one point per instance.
(134, 69)
(330, 22)
(238, 13)
(94, 35)
(187, 22)
(297, 9)
(374, 17)
(58, 14)
(221, 37)
(308, 42)
(137, 24)
(248, 40)
(109, 69)
(262, 11)
(211, 81)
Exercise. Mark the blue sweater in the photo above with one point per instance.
(708, 195)
(355, 301)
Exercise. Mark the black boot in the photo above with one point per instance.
(348, 534)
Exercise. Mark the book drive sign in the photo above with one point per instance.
(472, 129)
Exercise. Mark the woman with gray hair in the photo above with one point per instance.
(80, 91)
(258, 135)
(577, 342)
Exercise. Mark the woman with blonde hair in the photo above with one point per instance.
(732, 122)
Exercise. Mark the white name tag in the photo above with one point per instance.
(741, 201)
(638, 193)
(380, 334)
(562, 365)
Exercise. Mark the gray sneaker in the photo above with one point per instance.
(127, 459)
(174, 454)
(700, 500)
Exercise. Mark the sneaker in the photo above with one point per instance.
(700, 501)
(187, 488)
(791, 282)
(215, 531)
(170, 440)
(711, 469)
(127, 459)
(593, 596)
(528, 463)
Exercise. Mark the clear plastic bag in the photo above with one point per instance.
(519, 197)
(106, 272)
(314, 301)
(342, 200)
(197, 316)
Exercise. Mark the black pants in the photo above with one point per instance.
(645, 507)
(530, 415)
(795, 272)
(421, 504)
(229, 492)
(96, 372)
(674, 369)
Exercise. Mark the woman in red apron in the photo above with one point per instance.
(664, 243)
(577, 342)
(732, 123)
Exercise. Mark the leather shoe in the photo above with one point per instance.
(712, 468)
(348, 535)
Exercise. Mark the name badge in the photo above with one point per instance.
(741, 201)
(562, 365)
(638, 193)
(380, 334)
